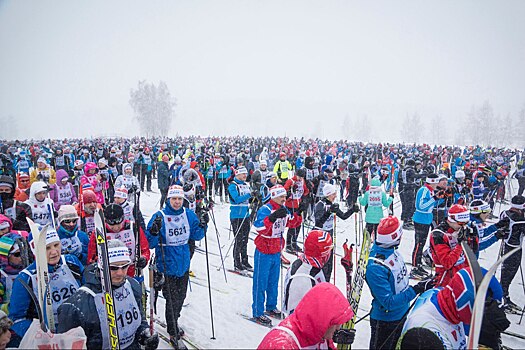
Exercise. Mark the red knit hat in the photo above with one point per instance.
(389, 231)
(317, 247)
(459, 213)
(89, 196)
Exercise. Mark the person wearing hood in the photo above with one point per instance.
(43, 172)
(62, 192)
(73, 240)
(325, 211)
(387, 278)
(94, 179)
(168, 233)
(119, 228)
(317, 317)
(13, 259)
(374, 200)
(85, 307)
(441, 317)
(40, 203)
(306, 272)
(22, 189)
(65, 277)
(127, 179)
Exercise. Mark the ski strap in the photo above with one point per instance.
(290, 333)
(87, 290)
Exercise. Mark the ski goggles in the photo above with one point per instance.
(114, 221)
(119, 267)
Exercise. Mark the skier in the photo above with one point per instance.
(374, 200)
(440, 315)
(127, 179)
(168, 233)
(43, 172)
(520, 176)
(326, 178)
(85, 308)
(39, 202)
(65, 276)
(407, 178)
(487, 234)
(11, 263)
(387, 278)
(13, 209)
(352, 184)
(94, 179)
(314, 323)
(306, 272)
(62, 192)
(240, 193)
(73, 240)
(513, 238)
(163, 173)
(324, 212)
(282, 168)
(297, 191)
(86, 209)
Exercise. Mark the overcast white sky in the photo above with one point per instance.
(258, 67)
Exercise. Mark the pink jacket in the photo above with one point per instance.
(322, 307)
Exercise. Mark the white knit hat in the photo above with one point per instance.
(277, 191)
(121, 192)
(329, 189)
(175, 191)
(67, 212)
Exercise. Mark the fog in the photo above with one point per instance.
(259, 67)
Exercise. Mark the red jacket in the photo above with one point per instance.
(293, 186)
(265, 241)
(322, 307)
(447, 254)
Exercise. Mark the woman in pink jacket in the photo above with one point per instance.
(314, 321)
(92, 177)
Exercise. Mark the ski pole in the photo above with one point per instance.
(218, 242)
(333, 250)
(233, 241)
(209, 285)
(362, 318)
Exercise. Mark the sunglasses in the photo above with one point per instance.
(116, 267)
(16, 255)
(24, 180)
(70, 221)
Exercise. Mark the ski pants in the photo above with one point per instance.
(174, 290)
(145, 175)
(385, 334)
(209, 188)
(266, 272)
(420, 239)
(342, 187)
(509, 269)
(163, 197)
(408, 203)
(371, 228)
(241, 230)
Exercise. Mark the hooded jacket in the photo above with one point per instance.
(322, 307)
(57, 188)
(375, 198)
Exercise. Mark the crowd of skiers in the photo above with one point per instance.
(279, 186)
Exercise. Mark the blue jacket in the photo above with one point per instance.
(386, 305)
(486, 234)
(21, 308)
(238, 204)
(478, 189)
(174, 260)
(424, 204)
(84, 240)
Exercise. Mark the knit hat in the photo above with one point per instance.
(518, 202)
(89, 196)
(7, 181)
(175, 191)
(317, 248)
(270, 175)
(241, 170)
(127, 166)
(263, 162)
(121, 192)
(5, 222)
(460, 174)
(103, 161)
(459, 213)
(479, 206)
(67, 212)
(389, 231)
(51, 237)
(113, 214)
(432, 179)
(277, 191)
(328, 170)
(329, 189)
(462, 291)
(301, 173)
(117, 252)
(41, 160)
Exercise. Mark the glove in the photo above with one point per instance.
(503, 223)
(344, 336)
(501, 233)
(254, 193)
(204, 218)
(158, 280)
(424, 285)
(148, 340)
(141, 263)
(355, 208)
(334, 208)
(439, 195)
(156, 226)
(302, 206)
(295, 187)
(278, 214)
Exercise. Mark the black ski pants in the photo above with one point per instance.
(329, 266)
(163, 196)
(408, 203)
(385, 334)
(509, 269)
(241, 230)
(209, 188)
(174, 290)
(420, 239)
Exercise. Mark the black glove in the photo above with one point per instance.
(204, 218)
(501, 233)
(424, 285)
(302, 206)
(156, 226)
(148, 340)
(255, 193)
(334, 208)
(503, 223)
(141, 262)
(344, 336)
(355, 208)
(278, 214)
(133, 188)
(158, 280)
(103, 177)
(439, 194)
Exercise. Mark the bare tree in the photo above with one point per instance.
(411, 128)
(153, 107)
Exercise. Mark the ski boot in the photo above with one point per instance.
(177, 343)
(511, 308)
(247, 266)
(275, 313)
(263, 320)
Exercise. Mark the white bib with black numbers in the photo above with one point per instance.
(128, 211)
(90, 224)
(177, 229)
(71, 245)
(309, 174)
(11, 212)
(127, 237)
(396, 265)
(328, 225)
(64, 194)
(375, 198)
(61, 286)
(40, 213)
(60, 161)
(298, 193)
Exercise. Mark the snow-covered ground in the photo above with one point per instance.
(234, 296)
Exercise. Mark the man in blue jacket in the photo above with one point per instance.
(387, 278)
(168, 233)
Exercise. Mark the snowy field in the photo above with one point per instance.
(233, 296)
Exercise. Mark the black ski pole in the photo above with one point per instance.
(218, 242)
(209, 285)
